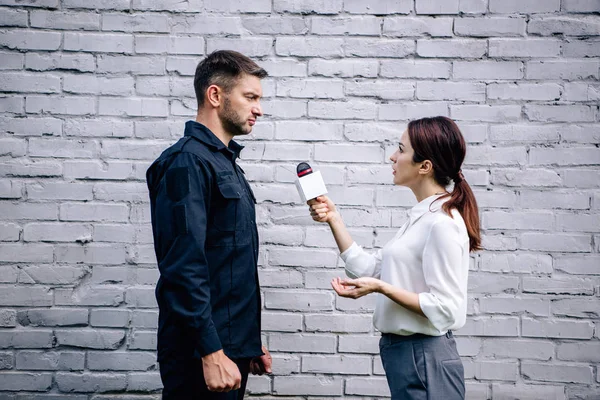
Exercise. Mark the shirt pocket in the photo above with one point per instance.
(225, 212)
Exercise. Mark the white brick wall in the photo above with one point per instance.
(92, 91)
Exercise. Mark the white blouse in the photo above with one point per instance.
(430, 256)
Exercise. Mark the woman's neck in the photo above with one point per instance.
(426, 189)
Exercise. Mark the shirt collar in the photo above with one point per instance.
(202, 133)
(426, 205)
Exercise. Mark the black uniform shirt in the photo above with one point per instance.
(206, 243)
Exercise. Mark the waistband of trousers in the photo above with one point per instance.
(389, 338)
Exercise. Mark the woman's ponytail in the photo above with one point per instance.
(439, 140)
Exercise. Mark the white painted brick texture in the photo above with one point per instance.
(93, 91)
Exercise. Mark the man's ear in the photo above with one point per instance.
(214, 96)
(426, 168)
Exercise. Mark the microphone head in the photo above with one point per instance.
(303, 169)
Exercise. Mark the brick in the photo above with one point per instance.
(578, 222)
(26, 339)
(450, 91)
(584, 352)
(30, 40)
(360, 344)
(57, 148)
(139, 297)
(28, 82)
(353, 365)
(524, 6)
(280, 278)
(34, 168)
(415, 69)
(381, 89)
(65, 20)
(251, 47)
(519, 92)
(52, 275)
(379, 8)
(557, 372)
(497, 370)
(60, 61)
(560, 329)
(568, 26)
(98, 128)
(308, 130)
(12, 60)
(302, 343)
(492, 326)
(90, 382)
(344, 68)
(120, 361)
(235, 6)
(53, 317)
(489, 113)
(565, 70)
(518, 220)
(347, 153)
(13, 147)
(276, 25)
(206, 24)
(310, 88)
(527, 392)
(135, 65)
(130, 191)
(564, 242)
(12, 104)
(364, 304)
(337, 323)
(411, 110)
(10, 189)
(487, 70)
(133, 107)
(358, 47)
(9, 232)
(90, 338)
(342, 110)
(86, 295)
(135, 22)
(107, 170)
(367, 387)
(532, 177)
(61, 105)
(433, 7)
(308, 47)
(6, 361)
(579, 265)
(307, 385)
(30, 252)
(55, 232)
(524, 48)
(581, 92)
(118, 86)
(364, 25)
(516, 263)
(580, 6)
(521, 349)
(281, 322)
(581, 48)
(566, 113)
(153, 44)
(285, 364)
(580, 178)
(59, 191)
(307, 6)
(144, 319)
(101, 4)
(25, 296)
(54, 361)
(487, 27)
(30, 381)
(13, 18)
(558, 285)
(492, 283)
(143, 341)
(512, 133)
(463, 48)
(301, 301)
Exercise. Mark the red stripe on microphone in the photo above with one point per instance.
(305, 172)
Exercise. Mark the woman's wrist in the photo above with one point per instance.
(335, 219)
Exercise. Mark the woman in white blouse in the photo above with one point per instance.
(421, 274)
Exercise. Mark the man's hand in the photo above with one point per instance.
(220, 373)
(355, 288)
(262, 364)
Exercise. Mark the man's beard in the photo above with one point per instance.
(231, 121)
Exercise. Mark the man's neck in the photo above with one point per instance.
(213, 123)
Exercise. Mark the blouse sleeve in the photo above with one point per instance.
(359, 263)
(445, 275)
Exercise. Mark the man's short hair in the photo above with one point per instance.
(223, 68)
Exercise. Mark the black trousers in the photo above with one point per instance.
(184, 380)
(422, 367)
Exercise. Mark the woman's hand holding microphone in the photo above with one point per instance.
(322, 209)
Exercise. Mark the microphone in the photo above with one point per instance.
(309, 183)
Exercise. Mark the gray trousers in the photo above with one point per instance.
(422, 367)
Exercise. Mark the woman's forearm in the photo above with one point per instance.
(340, 233)
(406, 299)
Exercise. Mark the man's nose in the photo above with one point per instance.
(257, 110)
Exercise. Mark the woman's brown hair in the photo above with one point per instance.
(439, 140)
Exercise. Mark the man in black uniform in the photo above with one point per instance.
(206, 242)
